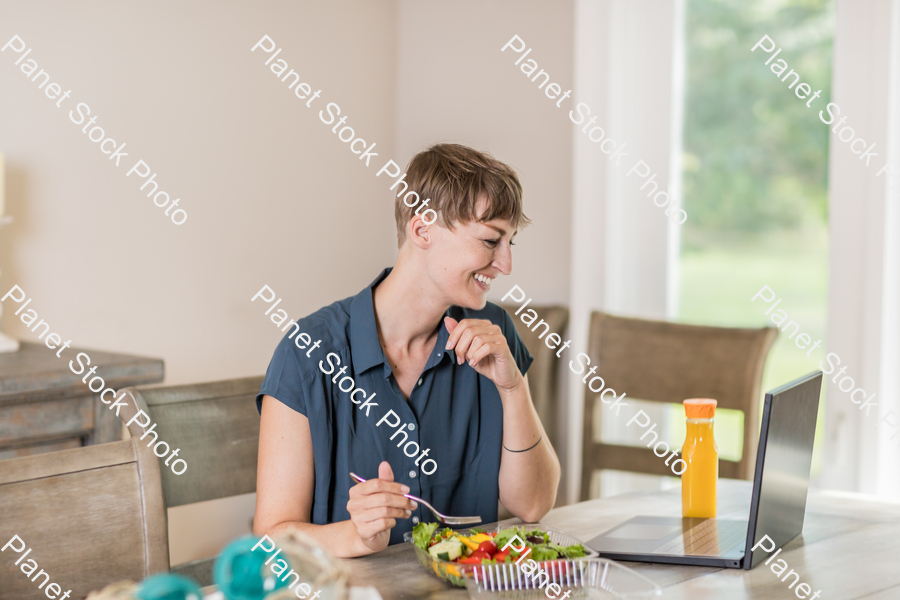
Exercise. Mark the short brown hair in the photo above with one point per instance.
(454, 178)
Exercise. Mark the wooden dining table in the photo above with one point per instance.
(849, 548)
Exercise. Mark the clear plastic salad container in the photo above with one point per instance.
(579, 578)
(456, 573)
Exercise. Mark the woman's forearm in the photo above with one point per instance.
(528, 480)
(340, 538)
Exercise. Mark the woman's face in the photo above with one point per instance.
(465, 260)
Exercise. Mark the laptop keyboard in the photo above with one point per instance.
(709, 538)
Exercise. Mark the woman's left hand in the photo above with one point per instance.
(483, 345)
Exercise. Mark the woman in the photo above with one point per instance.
(416, 361)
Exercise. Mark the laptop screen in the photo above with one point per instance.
(784, 458)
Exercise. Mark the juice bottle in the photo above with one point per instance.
(698, 482)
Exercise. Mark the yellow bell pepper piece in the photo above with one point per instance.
(470, 544)
(480, 537)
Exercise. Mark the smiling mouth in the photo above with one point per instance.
(484, 280)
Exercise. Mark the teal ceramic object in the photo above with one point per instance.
(241, 573)
(167, 586)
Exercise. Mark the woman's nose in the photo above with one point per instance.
(503, 260)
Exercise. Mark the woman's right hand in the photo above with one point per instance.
(375, 505)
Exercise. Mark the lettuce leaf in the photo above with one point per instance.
(573, 551)
(421, 534)
(541, 552)
(504, 535)
(536, 533)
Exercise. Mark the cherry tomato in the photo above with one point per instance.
(489, 546)
(493, 534)
(501, 556)
(479, 554)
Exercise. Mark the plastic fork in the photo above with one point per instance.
(445, 519)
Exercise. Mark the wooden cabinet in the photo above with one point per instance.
(44, 406)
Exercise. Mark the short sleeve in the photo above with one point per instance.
(517, 347)
(283, 378)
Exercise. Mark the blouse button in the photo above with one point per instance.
(420, 381)
(415, 519)
(412, 473)
(412, 426)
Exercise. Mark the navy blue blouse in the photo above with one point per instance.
(444, 443)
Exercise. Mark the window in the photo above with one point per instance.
(755, 177)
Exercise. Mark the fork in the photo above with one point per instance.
(447, 520)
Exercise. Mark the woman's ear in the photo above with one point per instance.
(419, 232)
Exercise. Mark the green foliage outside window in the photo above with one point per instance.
(755, 157)
(755, 174)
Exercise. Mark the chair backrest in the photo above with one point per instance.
(543, 374)
(90, 516)
(670, 362)
(214, 425)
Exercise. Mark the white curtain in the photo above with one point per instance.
(627, 69)
(864, 266)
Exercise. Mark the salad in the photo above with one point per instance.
(482, 548)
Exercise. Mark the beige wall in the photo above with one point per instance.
(454, 84)
(272, 196)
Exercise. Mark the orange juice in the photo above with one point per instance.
(698, 482)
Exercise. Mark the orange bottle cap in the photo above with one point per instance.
(700, 408)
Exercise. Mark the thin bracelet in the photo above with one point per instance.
(526, 449)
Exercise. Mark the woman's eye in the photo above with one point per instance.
(492, 243)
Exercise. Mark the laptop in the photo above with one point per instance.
(777, 508)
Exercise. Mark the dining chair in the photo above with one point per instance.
(84, 517)
(667, 362)
(216, 426)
